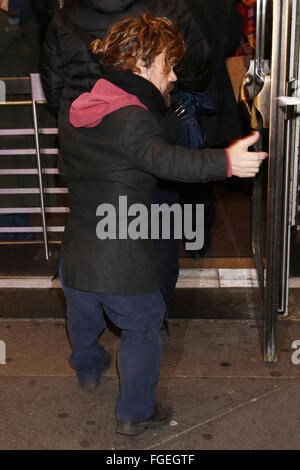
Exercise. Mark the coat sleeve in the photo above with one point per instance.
(147, 150)
(52, 64)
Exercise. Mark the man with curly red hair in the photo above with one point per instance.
(112, 144)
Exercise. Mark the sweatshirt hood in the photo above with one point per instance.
(108, 6)
(90, 108)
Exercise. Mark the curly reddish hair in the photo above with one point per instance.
(139, 38)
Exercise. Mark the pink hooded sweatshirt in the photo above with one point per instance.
(90, 108)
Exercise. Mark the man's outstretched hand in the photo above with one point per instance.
(4, 5)
(245, 164)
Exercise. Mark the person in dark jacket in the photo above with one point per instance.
(20, 50)
(222, 27)
(19, 56)
(113, 146)
(68, 69)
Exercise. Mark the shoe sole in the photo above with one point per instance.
(131, 429)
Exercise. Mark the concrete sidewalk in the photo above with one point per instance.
(224, 396)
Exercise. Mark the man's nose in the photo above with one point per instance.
(172, 76)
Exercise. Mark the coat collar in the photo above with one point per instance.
(146, 92)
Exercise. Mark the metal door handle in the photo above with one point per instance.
(262, 101)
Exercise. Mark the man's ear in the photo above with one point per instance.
(140, 64)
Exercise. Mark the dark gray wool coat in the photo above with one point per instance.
(124, 155)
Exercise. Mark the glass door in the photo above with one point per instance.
(268, 86)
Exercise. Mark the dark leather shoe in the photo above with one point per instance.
(161, 415)
(90, 386)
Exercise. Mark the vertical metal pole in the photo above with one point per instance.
(259, 79)
(286, 220)
(2, 91)
(291, 163)
(285, 261)
(39, 168)
(261, 7)
(275, 184)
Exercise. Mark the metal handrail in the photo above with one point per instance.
(28, 152)
(33, 191)
(37, 97)
(47, 131)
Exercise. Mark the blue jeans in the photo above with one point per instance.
(139, 353)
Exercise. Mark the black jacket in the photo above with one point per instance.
(68, 69)
(222, 27)
(67, 66)
(124, 155)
